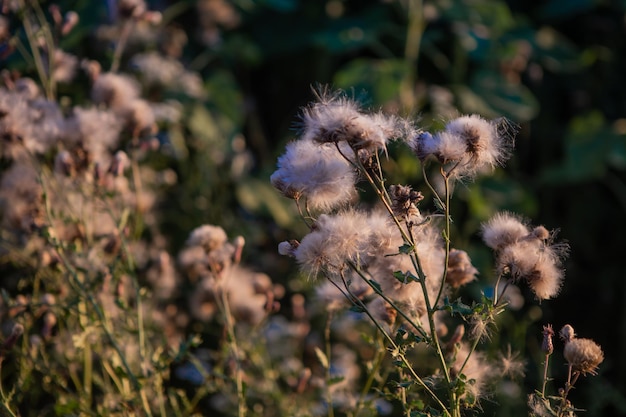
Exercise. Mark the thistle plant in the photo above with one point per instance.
(395, 263)
(582, 356)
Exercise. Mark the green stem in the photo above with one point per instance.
(378, 291)
(396, 349)
(446, 236)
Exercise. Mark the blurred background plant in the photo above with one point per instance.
(96, 244)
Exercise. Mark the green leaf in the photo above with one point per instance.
(376, 285)
(405, 277)
(406, 249)
(456, 307)
(335, 380)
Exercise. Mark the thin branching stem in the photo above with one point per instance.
(393, 305)
(395, 348)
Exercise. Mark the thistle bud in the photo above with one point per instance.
(540, 232)
(546, 346)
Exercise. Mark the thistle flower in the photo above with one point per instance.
(404, 201)
(316, 172)
(460, 269)
(503, 229)
(526, 254)
(335, 118)
(536, 263)
(334, 241)
(469, 143)
(583, 355)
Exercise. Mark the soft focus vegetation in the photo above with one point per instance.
(139, 228)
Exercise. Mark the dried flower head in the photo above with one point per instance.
(469, 143)
(503, 229)
(583, 355)
(334, 241)
(567, 333)
(460, 269)
(525, 254)
(534, 262)
(316, 172)
(404, 201)
(335, 118)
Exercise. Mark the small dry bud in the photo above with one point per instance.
(404, 201)
(567, 333)
(546, 346)
(288, 248)
(540, 233)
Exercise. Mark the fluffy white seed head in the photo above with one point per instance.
(334, 241)
(469, 144)
(503, 229)
(335, 118)
(317, 172)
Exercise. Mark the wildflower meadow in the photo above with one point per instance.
(312, 208)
